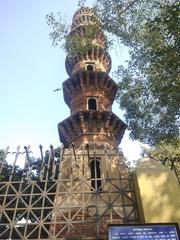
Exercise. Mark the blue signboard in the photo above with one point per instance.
(144, 232)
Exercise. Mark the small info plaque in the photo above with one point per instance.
(144, 232)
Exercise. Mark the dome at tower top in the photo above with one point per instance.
(84, 16)
(83, 11)
(86, 44)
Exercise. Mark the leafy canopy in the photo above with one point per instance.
(149, 87)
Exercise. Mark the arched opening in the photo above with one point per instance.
(90, 67)
(95, 175)
(92, 104)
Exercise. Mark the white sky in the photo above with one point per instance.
(30, 69)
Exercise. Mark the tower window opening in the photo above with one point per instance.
(92, 104)
(95, 175)
(90, 67)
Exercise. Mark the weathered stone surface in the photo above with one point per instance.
(91, 126)
(158, 192)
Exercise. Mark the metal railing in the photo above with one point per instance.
(39, 201)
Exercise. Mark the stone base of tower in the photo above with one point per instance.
(85, 203)
(158, 193)
(88, 228)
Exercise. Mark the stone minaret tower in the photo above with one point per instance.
(93, 190)
(89, 92)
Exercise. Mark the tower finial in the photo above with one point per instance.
(86, 44)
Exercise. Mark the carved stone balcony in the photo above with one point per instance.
(91, 126)
(85, 84)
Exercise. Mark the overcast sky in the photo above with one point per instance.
(30, 69)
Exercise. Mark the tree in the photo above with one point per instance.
(149, 87)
